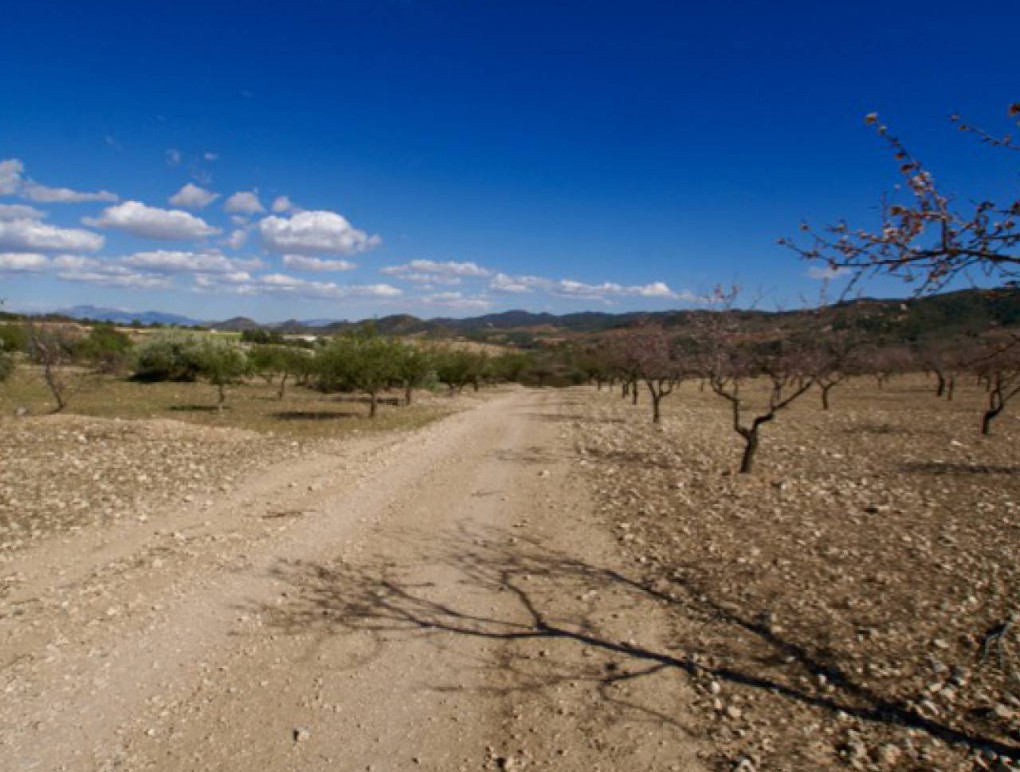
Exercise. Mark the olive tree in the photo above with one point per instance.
(270, 360)
(220, 362)
(457, 367)
(415, 367)
(167, 356)
(362, 361)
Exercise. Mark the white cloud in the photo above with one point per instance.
(20, 212)
(168, 261)
(302, 263)
(112, 275)
(282, 285)
(13, 182)
(173, 157)
(150, 222)
(30, 235)
(282, 204)
(22, 262)
(244, 202)
(568, 288)
(456, 300)
(33, 191)
(237, 239)
(209, 156)
(826, 273)
(10, 176)
(193, 197)
(314, 232)
(75, 262)
(432, 272)
(501, 282)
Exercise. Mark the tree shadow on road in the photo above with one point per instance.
(558, 601)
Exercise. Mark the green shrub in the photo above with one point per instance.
(168, 356)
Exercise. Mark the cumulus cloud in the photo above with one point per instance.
(150, 222)
(432, 272)
(568, 288)
(501, 282)
(169, 261)
(10, 176)
(33, 191)
(282, 204)
(22, 262)
(456, 300)
(75, 262)
(30, 235)
(237, 239)
(13, 182)
(282, 285)
(314, 232)
(20, 212)
(114, 275)
(244, 202)
(193, 197)
(303, 263)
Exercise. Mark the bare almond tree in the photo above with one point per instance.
(944, 360)
(657, 363)
(51, 346)
(733, 364)
(998, 366)
(930, 237)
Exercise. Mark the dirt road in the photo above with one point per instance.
(433, 600)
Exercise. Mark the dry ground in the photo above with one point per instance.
(426, 599)
(541, 580)
(833, 607)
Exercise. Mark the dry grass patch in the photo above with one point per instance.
(301, 414)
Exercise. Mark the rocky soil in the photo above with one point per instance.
(544, 580)
(62, 473)
(838, 607)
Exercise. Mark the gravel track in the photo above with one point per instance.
(438, 599)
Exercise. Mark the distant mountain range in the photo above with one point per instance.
(120, 316)
(951, 313)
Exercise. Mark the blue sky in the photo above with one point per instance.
(454, 158)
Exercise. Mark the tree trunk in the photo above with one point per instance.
(940, 389)
(408, 394)
(223, 395)
(950, 385)
(634, 394)
(624, 389)
(283, 386)
(825, 395)
(55, 386)
(750, 448)
(995, 405)
(372, 404)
